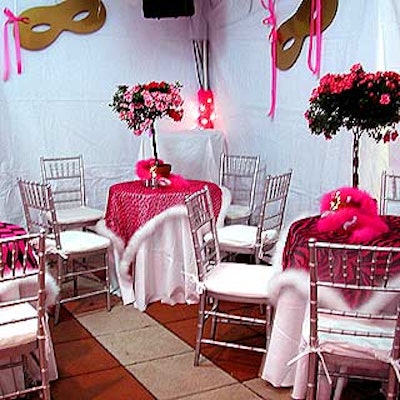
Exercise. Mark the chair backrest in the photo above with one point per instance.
(203, 230)
(390, 193)
(360, 274)
(239, 174)
(66, 177)
(273, 204)
(39, 209)
(23, 258)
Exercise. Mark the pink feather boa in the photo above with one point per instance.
(351, 210)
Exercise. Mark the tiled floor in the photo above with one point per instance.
(126, 354)
(133, 356)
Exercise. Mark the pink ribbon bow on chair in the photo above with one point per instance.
(12, 19)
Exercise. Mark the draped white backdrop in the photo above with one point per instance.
(59, 104)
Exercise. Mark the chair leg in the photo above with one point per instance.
(214, 320)
(46, 393)
(108, 297)
(200, 327)
(312, 380)
(392, 385)
(57, 312)
(340, 385)
(75, 280)
(60, 272)
(44, 370)
(269, 311)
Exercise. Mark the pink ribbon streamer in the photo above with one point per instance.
(273, 38)
(315, 35)
(12, 19)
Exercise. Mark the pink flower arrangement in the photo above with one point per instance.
(140, 105)
(365, 101)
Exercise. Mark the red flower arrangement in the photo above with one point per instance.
(362, 100)
(358, 101)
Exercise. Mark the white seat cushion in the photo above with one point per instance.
(18, 333)
(244, 280)
(243, 236)
(78, 214)
(237, 211)
(79, 241)
(353, 346)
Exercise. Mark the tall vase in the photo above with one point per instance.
(356, 156)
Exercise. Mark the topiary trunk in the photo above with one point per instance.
(356, 152)
(153, 141)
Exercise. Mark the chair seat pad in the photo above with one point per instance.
(358, 346)
(79, 241)
(78, 214)
(354, 346)
(244, 236)
(238, 211)
(18, 333)
(243, 280)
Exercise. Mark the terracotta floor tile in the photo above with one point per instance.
(185, 330)
(113, 384)
(85, 355)
(164, 313)
(243, 365)
(68, 328)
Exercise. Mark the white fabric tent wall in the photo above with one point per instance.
(59, 105)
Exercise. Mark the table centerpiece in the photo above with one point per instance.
(362, 102)
(139, 106)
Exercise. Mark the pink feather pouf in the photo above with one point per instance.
(144, 167)
(351, 210)
(144, 172)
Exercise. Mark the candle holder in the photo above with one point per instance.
(151, 183)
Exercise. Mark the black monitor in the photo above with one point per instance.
(168, 8)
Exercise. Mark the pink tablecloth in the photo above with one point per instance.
(290, 291)
(296, 251)
(152, 244)
(130, 204)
